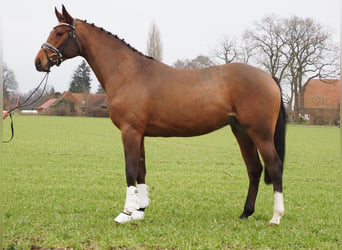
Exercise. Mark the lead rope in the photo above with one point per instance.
(12, 130)
(27, 103)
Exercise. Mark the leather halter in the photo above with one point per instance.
(58, 52)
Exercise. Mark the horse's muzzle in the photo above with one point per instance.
(41, 63)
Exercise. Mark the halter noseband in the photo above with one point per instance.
(58, 51)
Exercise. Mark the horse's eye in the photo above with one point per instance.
(59, 33)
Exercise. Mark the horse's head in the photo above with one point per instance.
(61, 44)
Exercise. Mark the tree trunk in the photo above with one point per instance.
(296, 102)
(301, 97)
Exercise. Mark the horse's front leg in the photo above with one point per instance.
(143, 194)
(133, 147)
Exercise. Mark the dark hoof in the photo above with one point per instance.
(243, 216)
(246, 213)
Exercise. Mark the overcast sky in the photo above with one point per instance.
(188, 27)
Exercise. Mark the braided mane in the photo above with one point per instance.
(118, 38)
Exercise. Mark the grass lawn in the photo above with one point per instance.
(64, 184)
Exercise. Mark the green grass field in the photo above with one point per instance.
(64, 184)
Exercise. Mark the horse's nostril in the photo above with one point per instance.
(38, 64)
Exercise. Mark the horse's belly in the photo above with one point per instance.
(176, 132)
(190, 112)
(193, 125)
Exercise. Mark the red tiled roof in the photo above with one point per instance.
(94, 100)
(67, 95)
(322, 94)
(47, 104)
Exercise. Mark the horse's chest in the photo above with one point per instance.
(123, 113)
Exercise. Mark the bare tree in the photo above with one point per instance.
(310, 54)
(199, 62)
(231, 50)
(227, 50)
(154, 44)
(10, 83)
(34, 98)
(181, 64)
(294, 50)
(267, 40)
(247, 51)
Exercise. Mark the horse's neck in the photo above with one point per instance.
(109, 57)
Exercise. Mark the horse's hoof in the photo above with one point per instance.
(243, 216)
(246, 212)
(123, 218)
(275, 221)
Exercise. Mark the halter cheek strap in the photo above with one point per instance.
(58, 51)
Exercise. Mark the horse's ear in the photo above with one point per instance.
(59, 16)
(67, 18)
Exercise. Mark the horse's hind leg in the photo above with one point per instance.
(274, 168)
(254, 168)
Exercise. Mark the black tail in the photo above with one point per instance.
(279, 135)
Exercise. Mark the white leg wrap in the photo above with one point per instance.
(143, 202)
(131, 205)
(143, 196)
(136, 198)
(138, 215)
(279, 210)
(123, 218)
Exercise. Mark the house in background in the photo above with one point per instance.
(46, 105)
(322, 102)
(76, 104)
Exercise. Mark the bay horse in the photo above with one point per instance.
(149, 98)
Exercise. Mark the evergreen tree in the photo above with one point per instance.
(100, 90)
(81, 80)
